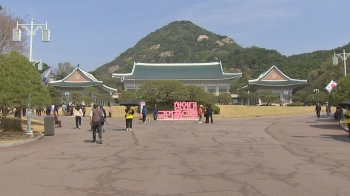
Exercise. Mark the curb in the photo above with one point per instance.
(23, 142)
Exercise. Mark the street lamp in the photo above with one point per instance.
(344, 56)
(17, 35)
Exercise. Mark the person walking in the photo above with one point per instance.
(129, 112)
(347, 117)
(110, 111)
(103, 118)
(328, 109)
(200, 113)
(155, 112)
(210, 113)
(318, 109)
(64, 109)
(78, 113)
(84, 110)
(206, 111)
(144, 113)
(95, 121)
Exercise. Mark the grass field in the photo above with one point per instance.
(233, 111)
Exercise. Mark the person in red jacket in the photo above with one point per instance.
(56, 119)
(200, 113)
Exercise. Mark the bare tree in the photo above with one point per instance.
(7, 24)
(63, 69)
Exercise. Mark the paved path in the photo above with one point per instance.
(282, 156)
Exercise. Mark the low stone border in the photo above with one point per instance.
(23, 142)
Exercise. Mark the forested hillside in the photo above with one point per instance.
(183, 41)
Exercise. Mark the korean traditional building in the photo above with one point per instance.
(77, 80)
(276, 81)
(209, 76)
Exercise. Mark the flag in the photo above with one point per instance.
(331, 85)
(45, 76)
(122, 79)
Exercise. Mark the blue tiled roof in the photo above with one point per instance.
(178, 71)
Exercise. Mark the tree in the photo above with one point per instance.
(268, 97)
(63, 69)
(235, 87)
(90, 91)
(7, 24)
(341, 92)
(75, 97)
(20, 83)
(148, 91)
(56, 95)
(225, 98)
(105, 98)
(300, 96)
(45, 67)
(310, 99)
(212, 98)
(126, 95)
(88, 100)
(196, 93)
(54, 92)
(171, 90)
(162, 91)
(321, 97)
(247, 96)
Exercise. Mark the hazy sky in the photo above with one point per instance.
(92, 33)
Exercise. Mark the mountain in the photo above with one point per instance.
(183, 41)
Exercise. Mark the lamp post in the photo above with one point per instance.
(344, 56)
(32, 31)
(17, 35)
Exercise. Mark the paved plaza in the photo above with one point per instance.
(271, 156)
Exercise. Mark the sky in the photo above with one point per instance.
(93, 33)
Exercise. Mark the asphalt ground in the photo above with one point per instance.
(272, 156)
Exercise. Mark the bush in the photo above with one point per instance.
(10, 123)
(216, 109)
(295, 104)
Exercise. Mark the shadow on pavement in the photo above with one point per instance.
(87, 141)
(343, 138)
(327, 126)
(120, 129)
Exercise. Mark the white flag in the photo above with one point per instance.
(45, 76)
(331, 85)
(122, 79)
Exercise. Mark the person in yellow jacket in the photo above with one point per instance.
(347, 117)
(129, 112)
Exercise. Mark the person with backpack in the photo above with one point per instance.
(103, 118)
(95, 121)
(208, 113)
(129, 112)
(144, 113)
